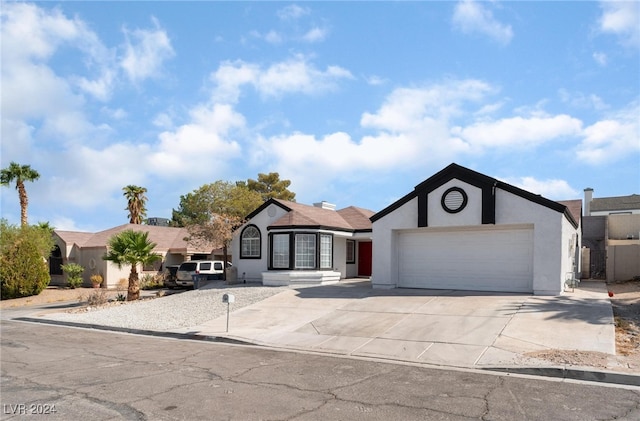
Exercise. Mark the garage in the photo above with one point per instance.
(463, 230)
(491, 259)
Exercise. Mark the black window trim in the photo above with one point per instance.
(259, 256)
(463, 205)
(292, 252)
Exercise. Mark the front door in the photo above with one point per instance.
(364, 258)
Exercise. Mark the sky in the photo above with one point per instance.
(355, 102)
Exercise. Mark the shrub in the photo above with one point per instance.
(23, 265)
(149, 281)
(97, 298)
(74, 274)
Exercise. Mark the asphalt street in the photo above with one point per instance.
(79, 374)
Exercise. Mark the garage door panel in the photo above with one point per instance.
(488, 260)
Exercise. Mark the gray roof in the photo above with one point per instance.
(618, 203)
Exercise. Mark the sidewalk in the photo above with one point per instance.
(443, 327)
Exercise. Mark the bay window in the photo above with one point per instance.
(301, 251)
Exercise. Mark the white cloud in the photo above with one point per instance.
(472, 17)
(296, 75)
(202, 147)
(272, 37)
(621, 18)
(293, 12)
(315, 34)
(613, 138)
(600, 58)
(553, 188)
(375, 80)
(145, 52)
(581, 100)
(407, 108)
(411, 122)
(518, 131)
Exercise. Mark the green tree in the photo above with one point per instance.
(212, 212)
(136, 201)
(221, 197)
(23, 265)
(131, 248)
(19, 174)
(271, 187)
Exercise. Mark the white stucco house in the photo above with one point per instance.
(288, 243)
(464, 230)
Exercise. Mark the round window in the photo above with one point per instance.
(454, 200)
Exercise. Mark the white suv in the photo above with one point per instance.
(213, 269)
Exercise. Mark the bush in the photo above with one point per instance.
(97, 298)
(74, 274)
(23, 260)
(149, 281)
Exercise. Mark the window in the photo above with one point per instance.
(280, 251)
(351, 251)
(305, 251)
(301, 250)
(326, 251)
(250, 244)
(205, 266)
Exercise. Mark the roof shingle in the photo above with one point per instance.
(347, 219)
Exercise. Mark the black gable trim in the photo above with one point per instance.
(392, 207)
(266, 205)
(536, 198)
(485, 183)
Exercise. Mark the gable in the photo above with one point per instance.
(282, 214)
(457, 184)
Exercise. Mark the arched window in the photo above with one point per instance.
(250, 243)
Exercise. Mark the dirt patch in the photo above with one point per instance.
(50, 295)
(625, 302)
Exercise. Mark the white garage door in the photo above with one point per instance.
(481, 260)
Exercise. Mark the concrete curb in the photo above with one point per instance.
(171, 335)
(553, 372)
(572, 374)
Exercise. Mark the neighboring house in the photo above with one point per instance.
(611, 237)
(87, 250)
(288, 243)
(463, 230)
(604, 206)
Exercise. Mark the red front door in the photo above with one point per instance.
(364, 259)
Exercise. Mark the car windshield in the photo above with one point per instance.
(188, 267)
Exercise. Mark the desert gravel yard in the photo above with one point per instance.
(153, 312)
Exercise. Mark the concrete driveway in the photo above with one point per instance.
(444, 327)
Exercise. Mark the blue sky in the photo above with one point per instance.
(354, 102)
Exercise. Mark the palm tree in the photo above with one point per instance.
(135, 203)
(19, 174)
(131, 248)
